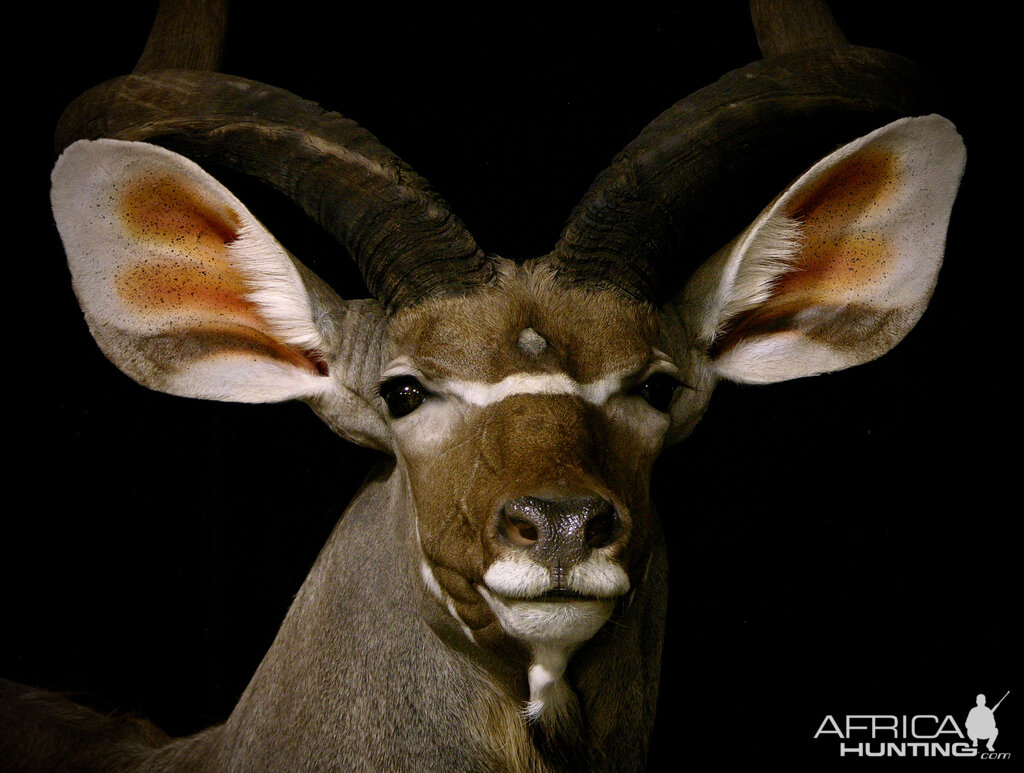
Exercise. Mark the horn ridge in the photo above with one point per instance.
(684, 186)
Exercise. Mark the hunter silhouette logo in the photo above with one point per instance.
(918, 735)
(981, 722)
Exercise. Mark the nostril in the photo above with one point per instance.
(521, 523)
(521, 533)
(602, 526)
(558, 531)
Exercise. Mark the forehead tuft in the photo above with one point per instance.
(532, 342)
(526, 322)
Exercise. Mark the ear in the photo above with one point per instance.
(186, 292)
(840, 266)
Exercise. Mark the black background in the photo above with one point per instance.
(839, 545)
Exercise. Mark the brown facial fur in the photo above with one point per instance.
(525, 444)
(474, 337)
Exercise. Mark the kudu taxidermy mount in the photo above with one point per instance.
(494, 597)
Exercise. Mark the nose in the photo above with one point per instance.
(560, 531)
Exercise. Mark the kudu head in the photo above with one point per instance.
(523, 403)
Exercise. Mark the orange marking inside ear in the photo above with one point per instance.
(187, 275)
(162, 209)
(837, 256)
(854, 185)
(243, 340)
(161, 286)
(189, 270)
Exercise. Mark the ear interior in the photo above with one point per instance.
(182, 288)
(841, 266)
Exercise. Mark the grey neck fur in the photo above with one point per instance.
(359, 678)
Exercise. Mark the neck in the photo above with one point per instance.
(368, 669)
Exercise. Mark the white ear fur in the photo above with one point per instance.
(840, 266)
(182, 287)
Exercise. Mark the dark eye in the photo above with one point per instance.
(658, 389)
(403, 395)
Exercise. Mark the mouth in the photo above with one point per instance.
(562, 595)
(554, 617)
(517, 579)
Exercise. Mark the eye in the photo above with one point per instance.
(658, 389)
(403, 395)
